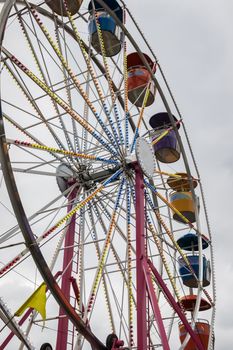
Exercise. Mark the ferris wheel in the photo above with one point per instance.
(105, 240)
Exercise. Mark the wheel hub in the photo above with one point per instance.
(145, 157)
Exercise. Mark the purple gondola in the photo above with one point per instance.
(167, 150)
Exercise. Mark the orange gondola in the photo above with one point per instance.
(202, 330)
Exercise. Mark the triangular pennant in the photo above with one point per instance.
(36, 301)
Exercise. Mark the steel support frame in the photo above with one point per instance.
(174, 304)
(145, 289)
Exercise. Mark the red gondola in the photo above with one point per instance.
(139, 78)
(189, 302)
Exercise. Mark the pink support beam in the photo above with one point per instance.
(175, 306)
(144, 283)
(140, 253)
(154, 304)
(63, 326)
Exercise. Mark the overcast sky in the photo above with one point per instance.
(193, 40)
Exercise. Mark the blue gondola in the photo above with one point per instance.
(188, 278)
(190, 242)
(111, 33)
